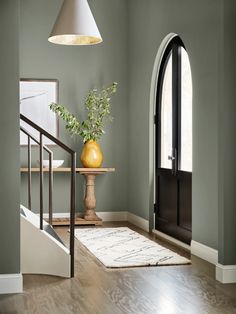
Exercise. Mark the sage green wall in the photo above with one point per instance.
(9, 139)
(133, 31)
(198, 24)
(79, 69)
(227, 130)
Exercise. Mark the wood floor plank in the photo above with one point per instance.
(187, 289)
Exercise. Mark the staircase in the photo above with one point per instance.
(42, 250)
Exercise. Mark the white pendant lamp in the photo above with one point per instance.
(75, 25)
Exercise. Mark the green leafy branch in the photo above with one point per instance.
(98, 107)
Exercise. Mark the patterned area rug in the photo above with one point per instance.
(123, 247)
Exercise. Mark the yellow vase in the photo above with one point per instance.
(91, 156)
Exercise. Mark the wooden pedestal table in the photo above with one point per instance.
(89, 217)
(89, 195)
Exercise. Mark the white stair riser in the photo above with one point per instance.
(40, 252)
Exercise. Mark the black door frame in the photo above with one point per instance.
(173, 47)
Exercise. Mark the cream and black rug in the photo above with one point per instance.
(123, 247)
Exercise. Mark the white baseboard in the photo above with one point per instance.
(171, 239)
(226, 273)
(11, 283)
(138, 221)
(106, 216)
(204, 252)
(57, 215)
(113, 216)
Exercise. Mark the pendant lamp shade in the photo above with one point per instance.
(75, 25)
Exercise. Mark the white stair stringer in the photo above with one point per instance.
(41, 253)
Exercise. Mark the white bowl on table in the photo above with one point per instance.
(55, 163)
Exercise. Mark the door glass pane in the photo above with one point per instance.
(166, 117)
(186, 113)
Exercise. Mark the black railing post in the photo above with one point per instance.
(72, 211)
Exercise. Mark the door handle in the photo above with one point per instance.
(173, 158)
(175, 162)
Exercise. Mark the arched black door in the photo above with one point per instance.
(174, 144)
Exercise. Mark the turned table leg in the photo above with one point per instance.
(89, 198)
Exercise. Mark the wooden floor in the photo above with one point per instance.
(185, 289)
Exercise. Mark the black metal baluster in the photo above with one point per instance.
(29, 173)
(50, 187)
(41, 179)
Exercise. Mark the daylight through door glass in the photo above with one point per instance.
(186, 113)
(166, 116)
